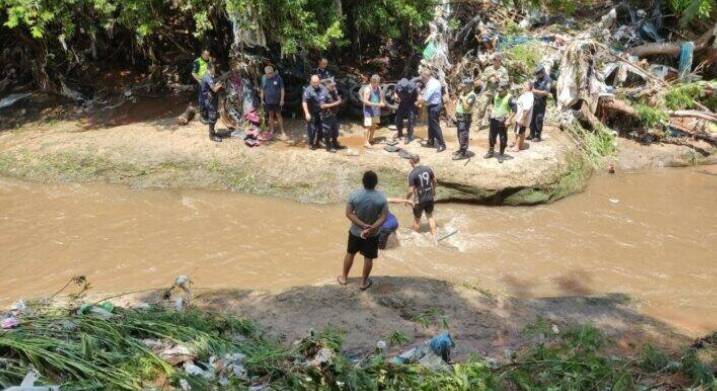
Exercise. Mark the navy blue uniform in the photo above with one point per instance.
(329, 122)
(407, 92)
(312, 96)
(540, 102)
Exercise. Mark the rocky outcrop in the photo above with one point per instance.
(159, 154)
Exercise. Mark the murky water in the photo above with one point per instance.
(650, 235)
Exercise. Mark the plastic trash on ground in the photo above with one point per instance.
(12, 99)
(28, 383)
(433, 355)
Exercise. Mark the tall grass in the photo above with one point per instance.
(596, 145)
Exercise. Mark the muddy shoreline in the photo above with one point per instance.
(157, 153)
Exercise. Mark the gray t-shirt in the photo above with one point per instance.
(368, 206)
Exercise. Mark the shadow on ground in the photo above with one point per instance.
(479, 322)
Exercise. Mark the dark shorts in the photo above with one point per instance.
(418, 209)
(367, 247)
(272, 108)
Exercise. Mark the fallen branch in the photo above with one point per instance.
(694, 114)
(698, 136)
(672, 48)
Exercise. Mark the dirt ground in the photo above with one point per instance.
(148, 149)
(480, 322)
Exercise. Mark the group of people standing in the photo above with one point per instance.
(321, 100)
(525, 112)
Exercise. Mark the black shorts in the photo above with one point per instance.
(418, 209)
(272, 108)
(367, 247)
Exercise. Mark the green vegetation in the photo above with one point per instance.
(691, 9)
(397, 338)
(522, 59)
(90, 353)
(651, 117)
(684, 96)
(74, 40)
(430, 317)
(596, 145)
(84, 351)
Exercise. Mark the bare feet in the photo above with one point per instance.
(283, 137)
(368, 146)
(341, 280)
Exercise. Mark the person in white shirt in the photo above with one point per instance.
(524, 112)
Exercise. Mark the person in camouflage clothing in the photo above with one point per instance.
(491, 77)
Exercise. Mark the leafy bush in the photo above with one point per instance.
(684, 96)
(572, 361)
(650, 116)
(522, 59)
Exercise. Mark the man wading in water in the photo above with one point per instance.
(422, 190)
(367, 210)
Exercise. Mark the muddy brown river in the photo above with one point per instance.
(649, 235)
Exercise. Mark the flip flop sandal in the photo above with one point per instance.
(391, 148)
(341, 283)
(370, 282)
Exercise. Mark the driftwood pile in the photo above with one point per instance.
(604, 73)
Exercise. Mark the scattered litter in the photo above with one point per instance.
(12, 99)
(323, 357)
(177, 354)
(18, 307)
(433, 355)
(555, 329)
(192, 369)
(687, 50)
(184, 385)
(448, 235)
(10, 322)
(28, 383)
(441, 345)
(381, 346)
(614, 200)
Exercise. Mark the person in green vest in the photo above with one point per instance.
(464, 114)
(500, 115)
(199, 70)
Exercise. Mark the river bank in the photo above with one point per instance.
(145, 149)
(156, 153)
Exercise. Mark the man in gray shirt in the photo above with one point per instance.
(367, 210)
